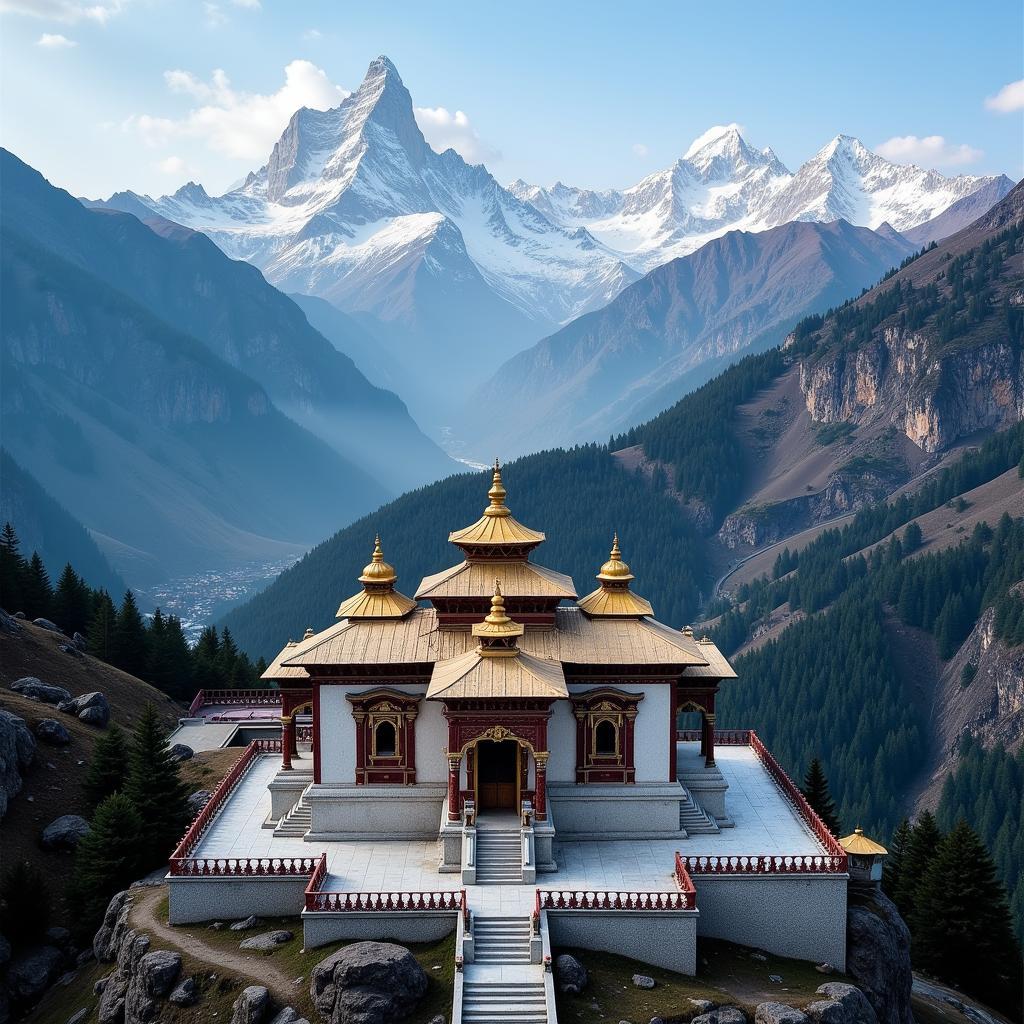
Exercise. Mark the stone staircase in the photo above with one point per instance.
(296, 823)
(502, 942)
(499, 1002)
(499, 857)
(693, 819)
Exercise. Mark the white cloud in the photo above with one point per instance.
(639, 149)
(930, 151)
(237, 124)
(252, 5)
(215, 17)
(172, 165)
(65, 10)
(445, 130)
(312, 34)
(55, 41)
(1009, 99)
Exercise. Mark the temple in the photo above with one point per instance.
(495, 730)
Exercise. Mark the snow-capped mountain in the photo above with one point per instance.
(722, 184)
(355, 207)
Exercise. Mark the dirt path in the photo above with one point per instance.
(259, 969)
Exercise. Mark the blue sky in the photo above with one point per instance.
(108, 94)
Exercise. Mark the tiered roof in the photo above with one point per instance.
(378, 599)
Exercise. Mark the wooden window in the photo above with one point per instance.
(604, 734)
(385, 750)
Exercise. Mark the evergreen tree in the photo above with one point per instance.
(72, 602)
(155, 788)
(961, 922)
(102, 626)
(129, 646)
(815, 789)
(898, 847)
(108, 767)
(107, 860)
(12, 569)
(36, 590)
(911, 538)
(921, 849)
(24, 904)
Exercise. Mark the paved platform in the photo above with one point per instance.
(765, 823)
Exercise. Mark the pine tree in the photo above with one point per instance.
(898, 847)
(961, 925)
(129, 646)
(154, 786)
(72, 602)
(108, 767)
(36, 591)
(924, 841)
(911, 538)
(815, 789)
(24, 904)
(102, 625)
(107, 859)
(12, 570)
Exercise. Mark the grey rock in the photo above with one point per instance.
(17, 749)
(252, 1006)
(9, 623)
(267, 941)
(642, 981)
(778, 1013)
(94, 703)
(33, 686)
(367, 983)
(289, 1015)
(570, 974)
(30, 973)
(198, 800)
(69, 649)
(186, 994)
(108, 938)
(79, 1017)
(181, 752)
(100, 985)
(19, 615)
(854, 1002)
(722, 1015)
(64, 833)
(878, 955)
(703, 1005)
(827, 1011)
(49, 730)
(47, 624)
(160, 969)
(79, 641)
(244, 926)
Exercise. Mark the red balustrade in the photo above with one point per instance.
(446, 900)
(767, 864)
(580, 899)
(243, 867)
(189, 842)
(723, 737)
(262, 697)
(685, 883)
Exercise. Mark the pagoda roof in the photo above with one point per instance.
(277, 670)
(476, 579)
(496, 528)
(576, 639)
(378, 599)
(858, 843)
(475, 675)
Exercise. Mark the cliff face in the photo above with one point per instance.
(934, 397)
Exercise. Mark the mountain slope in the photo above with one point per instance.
(170, 456)
(186, 281)
(723, 184)
(44, 525)
(669, 331)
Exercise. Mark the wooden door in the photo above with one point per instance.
(496, 766)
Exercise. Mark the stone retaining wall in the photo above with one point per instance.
(191, 900)
(318, 929)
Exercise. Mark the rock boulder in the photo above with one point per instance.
(878, 955)
(32, 686)
(570, 974)
(49, 730)
(778, 1013)
(186, 994)
(30, 973)
(722, 1015)
(64, 833)
(367, 983)
(267, 941)
(89, 707)
(252, 1006)
(17, 749)
(181, 752)
(152, 977)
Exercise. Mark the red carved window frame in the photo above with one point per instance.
(619, 710)
(384, 707)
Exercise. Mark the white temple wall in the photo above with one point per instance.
(337, 736)
(562, 743)
(431, 743)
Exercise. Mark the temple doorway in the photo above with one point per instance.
(496, 766)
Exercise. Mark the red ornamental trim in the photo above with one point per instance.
(768, 864)
(243, 867)
(444, 901)
(262, 697)
(558, 899)
(685, 883)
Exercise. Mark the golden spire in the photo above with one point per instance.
(497, 494)
(308, 633)
(378, 599)
(615, 568)
(497, 633)
(614, 598)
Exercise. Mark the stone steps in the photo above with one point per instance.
(694, 820)
(499, 859)
(297, 822)
(502, 941)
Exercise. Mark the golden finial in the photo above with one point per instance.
(615, 568)
(497, 494)
(378, 571)
(687, 630)
(308, 633)
(497, 632)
